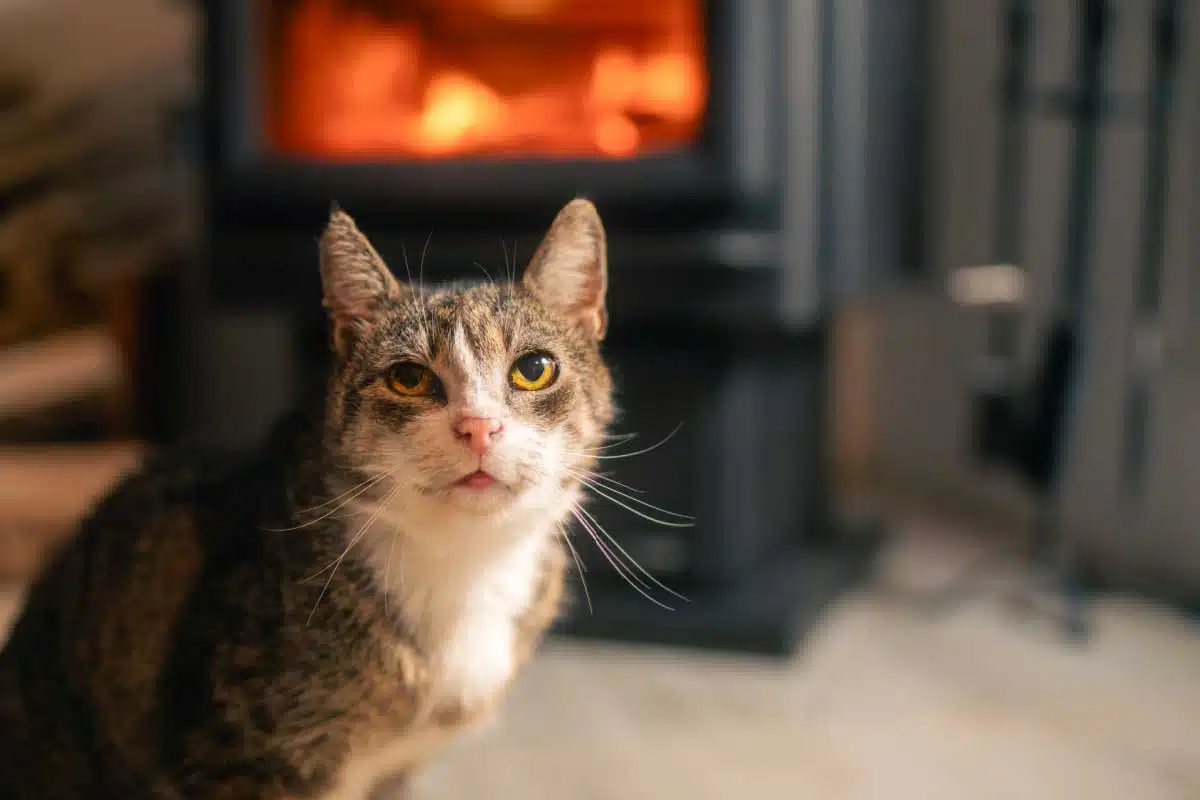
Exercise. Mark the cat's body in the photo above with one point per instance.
(334, 609)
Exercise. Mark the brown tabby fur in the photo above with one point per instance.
(187, 644)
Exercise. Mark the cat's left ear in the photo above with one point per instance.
(569, 271)
(357, 284)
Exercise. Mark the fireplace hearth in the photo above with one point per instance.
(728, 149)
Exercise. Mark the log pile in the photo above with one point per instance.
(93, 199)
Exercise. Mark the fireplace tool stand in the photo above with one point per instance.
(1145, 351)
(1025, 425)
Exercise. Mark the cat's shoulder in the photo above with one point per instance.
(207, 477)
(169, 479)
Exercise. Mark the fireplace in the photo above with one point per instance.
(483, 79)
(726, 145)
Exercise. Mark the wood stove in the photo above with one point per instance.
(726, 145)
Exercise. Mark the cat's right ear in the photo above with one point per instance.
(357, 284)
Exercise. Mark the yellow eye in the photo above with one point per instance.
(411, 380)
(533, 371)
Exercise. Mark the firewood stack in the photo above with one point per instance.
(93, 200)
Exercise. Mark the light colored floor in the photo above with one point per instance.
(885, 703)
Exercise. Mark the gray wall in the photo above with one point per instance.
(923, 345)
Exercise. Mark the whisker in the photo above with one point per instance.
(421, 287)
(592, 454)
(622, 568)
(387, 570)
(632, 561)
(603, 490)
(601, 477)
(370, 480)
(485, 271)
(333, 564)
(418, 298)
(620, 437)
(586, 453)
(631, 579)
(361, 489)
(404, 256)
(620, 555)
(353, 541)
(578, 567)
(641, 452)
(509, 271)
(421, 263)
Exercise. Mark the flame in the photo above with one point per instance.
(348, 84)
(458, 108)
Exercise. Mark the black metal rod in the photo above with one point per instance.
(1070, 318)
(1094, 21)
(1148, 277)
(1003, 324)
(1018, 28)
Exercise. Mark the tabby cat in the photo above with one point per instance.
(334, 608)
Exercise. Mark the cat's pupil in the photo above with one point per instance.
(408, 375)
(533, 366)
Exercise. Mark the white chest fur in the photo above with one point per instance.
(464, 591)
(478, 629)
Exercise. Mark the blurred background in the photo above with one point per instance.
(904, 297)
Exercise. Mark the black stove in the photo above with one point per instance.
(751, 159)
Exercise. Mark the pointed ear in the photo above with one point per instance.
(569, 271)
(356, 282)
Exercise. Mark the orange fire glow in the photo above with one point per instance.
(498, 78)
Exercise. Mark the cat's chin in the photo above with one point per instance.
(497, 501)
(480, 497)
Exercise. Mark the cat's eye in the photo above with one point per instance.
(533, 371)
(411, 380)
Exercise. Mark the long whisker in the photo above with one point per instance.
(358, 491)
(421, 263)
(631, 579)
(578, 567)
(353, 541)
(418, 298)
(387, 570)
(485, 271)
(597, 476)
(588, 524)
(602, 491)
(370, 480)
(421, 283)
(587, 453)
(621, 567)
(632, 561)
(509, 270)
(643, 451)
(620, 437)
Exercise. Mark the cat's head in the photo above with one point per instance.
(478, 401)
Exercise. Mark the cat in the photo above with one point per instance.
(333, 608)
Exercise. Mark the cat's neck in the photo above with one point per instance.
(461, 584)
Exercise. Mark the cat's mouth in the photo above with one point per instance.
(477, 481)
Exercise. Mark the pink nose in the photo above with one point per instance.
(478, 432)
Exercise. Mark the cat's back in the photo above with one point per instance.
(81, 675)
(144, 544)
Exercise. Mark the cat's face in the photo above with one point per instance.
(481, 401)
